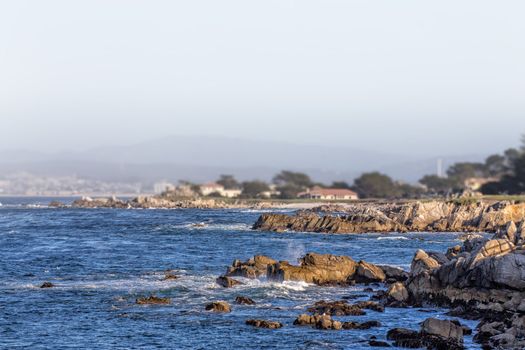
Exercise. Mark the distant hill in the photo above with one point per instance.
(204, 158)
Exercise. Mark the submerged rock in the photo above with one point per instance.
(244, 300)
(218, 306)
(227, 282)
(47, 285)
(153, 300)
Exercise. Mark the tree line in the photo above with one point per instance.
(506, 170)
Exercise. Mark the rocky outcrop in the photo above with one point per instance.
(315, 268)
(320, 269)
(264, 324)
(218, 306)
(483, 278)
(432, 216)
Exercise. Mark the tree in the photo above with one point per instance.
(375, 185)
(459, 172)
(228, 181)
(340, 184)
(287, 177)
(495, 165)
(437, 184)
(291, 183)
(251, 189)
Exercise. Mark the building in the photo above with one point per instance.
(328, 194)
(213, 187)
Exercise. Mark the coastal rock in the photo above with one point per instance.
(397, 292)
(244, 300)
(394, 274)
(153, 300)
(264, 324)
(444, 329)
(336, 308)
(227, 282)
(367, 273)
(218, 306)
(315, 268)
(422, 262)
(432, 216)
(434, 334)
(253, 268)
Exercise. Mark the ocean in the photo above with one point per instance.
(101, 260)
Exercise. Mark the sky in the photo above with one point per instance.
(407, 77)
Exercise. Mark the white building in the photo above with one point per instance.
(213, 187)
(328, 194)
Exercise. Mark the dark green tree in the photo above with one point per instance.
(437, 184)
(228, 181)
(287, 177)
(340, 184)
(375, 185)
(251, 189)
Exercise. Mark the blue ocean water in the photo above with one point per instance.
(101, 260)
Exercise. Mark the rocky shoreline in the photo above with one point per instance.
(431, 216)
(483, 279)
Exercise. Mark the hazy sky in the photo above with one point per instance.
(404, 76)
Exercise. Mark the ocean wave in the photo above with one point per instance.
(392, 238)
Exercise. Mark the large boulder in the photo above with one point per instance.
(315, 268)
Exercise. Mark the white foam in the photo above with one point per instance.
(391, 238)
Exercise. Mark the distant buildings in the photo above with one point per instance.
(215, 188)
(328, 194)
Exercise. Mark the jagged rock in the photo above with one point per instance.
(367, 272)
(252, 268)
(315, 268)
(264, 324)
(336, 308)
(434, 216)
(326, 322)
(219, 306)
(244, 300)
(47, 285)
(153, 300)
(227, 282)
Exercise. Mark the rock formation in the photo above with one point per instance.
(432, 216)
